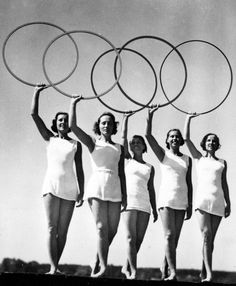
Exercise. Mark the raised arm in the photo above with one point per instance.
(82, 136)
(226, 191)
(192, 149)
(124, 134)
(44, 131)
(190, 190)
(157, 149)
(79, 173)
(152, 194)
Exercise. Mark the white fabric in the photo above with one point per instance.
(60, 179)
(209, 193)
(137, 177)
(104, 182)
(173, 191)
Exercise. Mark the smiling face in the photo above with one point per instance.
(174, 139)
(106, 125)
(62, 123)
(137, 145)
(211, 144)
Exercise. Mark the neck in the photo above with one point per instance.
(138, 157)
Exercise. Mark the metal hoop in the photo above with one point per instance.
(116, 110)
(86, 32)
(173, 48)
(37, 23)
(230, 68)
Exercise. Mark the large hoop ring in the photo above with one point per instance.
(173, 48)
(37, 23)
(84, 32)
(117, 110)
(230, 69)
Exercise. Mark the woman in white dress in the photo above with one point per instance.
(212, 200)
(106, 189)
(175, 192)
(64, 180)
(140, 197)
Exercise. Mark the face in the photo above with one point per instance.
(174, 139)
(211, 143)
(106, 125)
(62, 123)
(137, 146)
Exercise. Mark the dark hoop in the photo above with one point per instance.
(116, 110)
(173, 48)
(230, 68)
(36, 23)
(86, 32)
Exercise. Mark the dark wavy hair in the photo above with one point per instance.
(180, 135)
(54, 121)
(96, 129)
(204, 139)
(142, 139)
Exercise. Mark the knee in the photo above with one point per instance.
(102, 230)
(131, 240)
(207, 236)
(52, 230)
(170, 237)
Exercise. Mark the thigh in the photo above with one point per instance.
(168, 219)
(142, 224)
(179, 220)
(130, 219)
(204, 220)
(215, 224)
(66, 211)
(99, 210)
(52, 208)
(113, 215)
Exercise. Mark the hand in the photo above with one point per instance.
(227, 211)
(128, 114)
(188, 212)
(40, 87)
(155, 216)
(76, 98)
(79, 201)
(124, 204)
(191, 115)
(153, 108)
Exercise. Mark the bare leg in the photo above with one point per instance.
(172, 221)
(65, 215)
(52, 207)
(208, 226)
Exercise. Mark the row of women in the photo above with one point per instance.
(122, 182)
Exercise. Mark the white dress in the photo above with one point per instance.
(209, 193)
(60, 179)
(137, 177)
(173, 191)
(104, 183)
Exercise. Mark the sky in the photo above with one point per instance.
(23, 152)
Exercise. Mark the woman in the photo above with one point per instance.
(212, 200)
(175, 193)
(140, 197)
(106, 189)
(61, 187)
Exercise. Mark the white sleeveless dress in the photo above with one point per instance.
(104, 183)
(137, 177)
(173, 191)
(60, 179)
(209, 195)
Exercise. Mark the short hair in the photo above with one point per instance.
(180, 135)
(203, 142)
(54, 121)
(142, 139)
(96, 129)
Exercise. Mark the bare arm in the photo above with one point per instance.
(190, 190)
(82, 136)
(124, 135)
(157, 149)
(121, 173)
(152, 194)
(192, 149)
(44, 131)
(79, 173)
(226, 191)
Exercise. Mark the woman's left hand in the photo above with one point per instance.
(188, 213)
(227, 211)
(124, 204)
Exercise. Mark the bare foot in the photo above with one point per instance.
(100, 273)
(172, 277)
(125, 271)
(95, 267)
(207, 279)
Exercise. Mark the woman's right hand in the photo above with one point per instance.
(40, 87)
(76, 98)
(153, 108)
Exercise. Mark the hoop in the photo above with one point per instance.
(173, 48)
(231, 76)
(86, 32)
(36, 23)
(117, 110)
